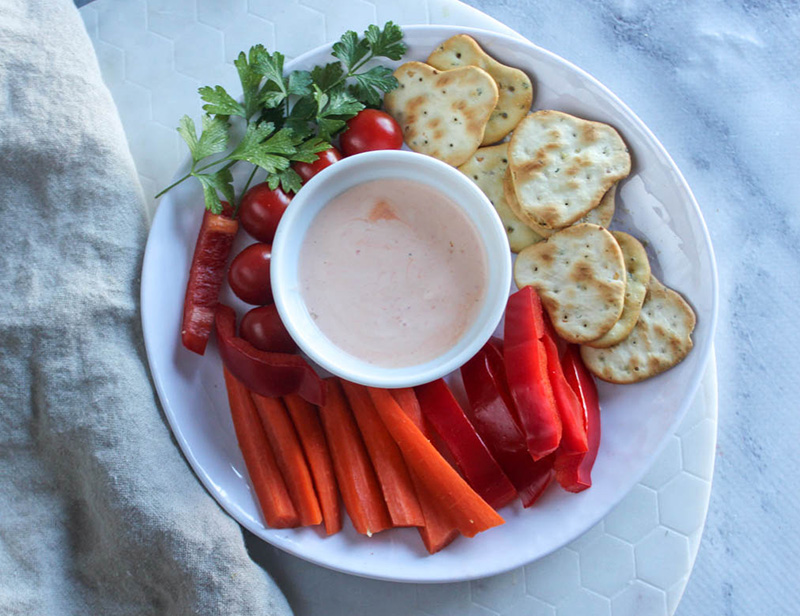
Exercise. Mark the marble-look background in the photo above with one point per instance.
(717, 82)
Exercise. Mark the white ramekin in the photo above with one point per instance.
(334, 180)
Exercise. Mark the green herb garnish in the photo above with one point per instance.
(286, 117)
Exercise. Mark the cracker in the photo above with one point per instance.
(579, 273)
(562, 166)
(637, 272)
(486, 168)
(660, 340)
(602, 215)
(442, 113)
(514, 86)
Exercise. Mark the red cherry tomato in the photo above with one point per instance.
(371, 130)
(262, 327)
(249, 275)
(308, 170)
(261, 210)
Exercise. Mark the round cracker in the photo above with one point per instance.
(442, 113)
(660, 340)
(637, 277)
(602, 215)
(579, 273)
(514, 86)
(487, 168)
(562, 166)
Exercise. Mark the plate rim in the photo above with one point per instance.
(697, 378)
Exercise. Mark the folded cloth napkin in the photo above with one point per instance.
(99, 513)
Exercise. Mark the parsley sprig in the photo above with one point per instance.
(286, 117)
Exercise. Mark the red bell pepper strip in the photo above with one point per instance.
(268, 374)
(573, 436)
(491, 412)
(206, 275)
(574, 471)
(472, 457)
(526, 371)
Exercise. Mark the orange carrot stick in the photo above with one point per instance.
(289, 455)
(398, 489)
(452, 495)
(407, 400)
(438, 531)
(358, 484)
(268, 483)
(306, 420)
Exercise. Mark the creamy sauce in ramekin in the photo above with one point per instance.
(393, 272)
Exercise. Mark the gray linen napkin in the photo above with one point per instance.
(99, 513)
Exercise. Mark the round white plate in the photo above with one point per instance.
(654, 203)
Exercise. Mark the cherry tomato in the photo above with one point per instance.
(261, 210)
(371, 130)
(249, 275)
(308, 170)
(262, 327)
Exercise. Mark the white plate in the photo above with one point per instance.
(654, 203)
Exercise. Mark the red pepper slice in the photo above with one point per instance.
(574, 470)
(573, 436)
(526, 371)
(492, 413)
(473, 459)
(268, 374)
(206, 275)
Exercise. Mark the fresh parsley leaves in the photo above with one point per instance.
(286, 118)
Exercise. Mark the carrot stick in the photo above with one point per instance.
(360, 490)
(438, 531)
(306, 420)
(451, 494)
(398, 489)
(268, 483)
(290, 458)
(407, 400)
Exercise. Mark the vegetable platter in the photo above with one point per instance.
(637, 419)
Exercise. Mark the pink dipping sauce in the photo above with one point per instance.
(393, 272)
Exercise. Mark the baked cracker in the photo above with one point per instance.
(514, 86)
(660, 340)
(637, 272)
(562, 166)
(487, 168)
(602, 215)
(579, 273)
(442, 113)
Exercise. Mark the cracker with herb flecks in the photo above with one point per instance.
(579, 273)
(637, 277)
(602, 215)
(442, 113)
(660, 340)
(514, 86)
(487, 168)
(561, 166)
